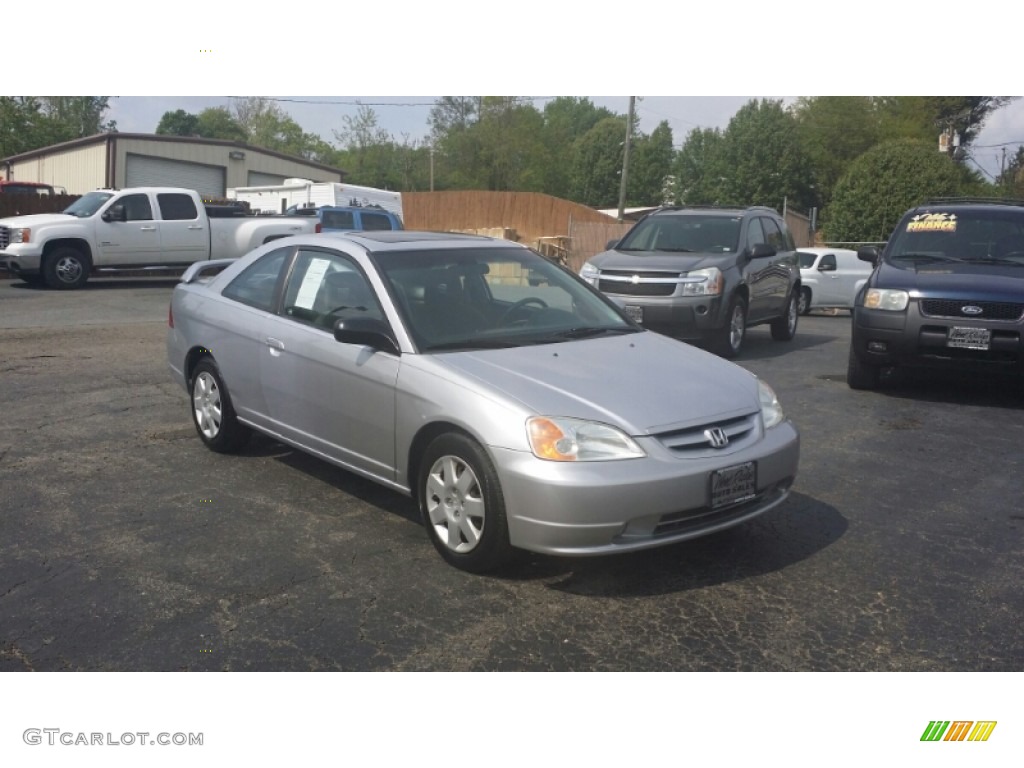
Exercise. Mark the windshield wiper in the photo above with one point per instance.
(468, 344)
(996, 260)
(923, 257)
(589, 332)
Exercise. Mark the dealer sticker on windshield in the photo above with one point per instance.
(733, 484)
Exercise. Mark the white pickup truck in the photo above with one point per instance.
(137, 228)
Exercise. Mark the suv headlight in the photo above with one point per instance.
(771, 411)
(555, 438)
(894, 301)
(589, 272)
(702, 282)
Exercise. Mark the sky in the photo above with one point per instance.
(406, 116)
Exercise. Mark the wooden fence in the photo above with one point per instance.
(22, 205)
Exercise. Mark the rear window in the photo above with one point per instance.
(337, 220)
(375, 221)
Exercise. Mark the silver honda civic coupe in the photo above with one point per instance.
(519, 407)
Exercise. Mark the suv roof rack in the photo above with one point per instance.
(711, 207)
(972, 200)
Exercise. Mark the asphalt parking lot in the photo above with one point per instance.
(126, 545)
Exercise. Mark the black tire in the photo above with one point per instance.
(472, 503)
(860, 375)
(805, 301)
(66, 268)
(212, 411)
(728, 340)
(784, 328)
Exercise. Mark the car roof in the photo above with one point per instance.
(959, 204)
(712, 210)
(404, 240)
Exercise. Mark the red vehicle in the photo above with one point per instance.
(8, 187)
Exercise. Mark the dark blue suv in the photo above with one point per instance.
(947, 292)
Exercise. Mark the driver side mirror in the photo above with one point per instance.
(368, 332)
(115, 212)
(761, 251)
(868, 253)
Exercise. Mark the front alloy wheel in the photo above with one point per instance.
(462, 505)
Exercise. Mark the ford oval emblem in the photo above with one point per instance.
(971, 309)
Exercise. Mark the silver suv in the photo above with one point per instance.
(704, 274)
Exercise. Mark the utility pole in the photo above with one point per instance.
(431, 167)
(625, 159)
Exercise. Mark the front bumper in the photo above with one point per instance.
(597, 508)
(909, 338)
(20, 263)
(685, 317)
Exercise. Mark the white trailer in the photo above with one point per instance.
(303, 193)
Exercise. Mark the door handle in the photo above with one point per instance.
(195, 226)
(147, 229)
(275, 344)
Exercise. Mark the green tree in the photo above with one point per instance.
(699, 168)
(834, 131)
(925, 117)
(566, 119)
(178, 123)
(597, 164)
(33, 122)
(219, 123)
(649, 167)
(885, 182)
(766, 162)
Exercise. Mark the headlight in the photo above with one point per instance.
(21, 235)
(589, 272)
(771, 411)
(556, 438)
(703, 282)
(895, 301)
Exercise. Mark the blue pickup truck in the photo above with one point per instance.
(336, 218)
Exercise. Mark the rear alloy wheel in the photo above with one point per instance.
(784, 328)
(729, 339)
(212, 412)
(860, 375)
(66, 268)
(462, 505)
(805, 301)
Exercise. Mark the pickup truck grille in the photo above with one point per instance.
(990, 310)
(5, 237)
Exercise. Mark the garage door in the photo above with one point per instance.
(257, 179)
(148, 171)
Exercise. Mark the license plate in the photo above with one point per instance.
(733, 484)
(969, 338)
(636, 314)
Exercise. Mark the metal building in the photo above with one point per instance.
(119, 160)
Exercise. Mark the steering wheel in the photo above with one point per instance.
(518, 305)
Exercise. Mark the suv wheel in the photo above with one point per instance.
(860, 375)
(784, 328)
(729, 338)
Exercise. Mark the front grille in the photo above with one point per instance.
(648, 283)
(692, 441)
(990, 310)
(5, 237)
(636, 289)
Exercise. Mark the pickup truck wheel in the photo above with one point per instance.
(784, 328)
(729, 338)
(462, 505)
(66, 268)
(860, 375)
(805, 301)
(212, 412)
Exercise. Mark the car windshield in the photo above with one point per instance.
(806, 259)
(698, 233)
(88, 204)
(993, 236)
(493, 297)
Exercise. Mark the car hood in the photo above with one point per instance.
(644, 382)
(37, 220)
(656, 260)
(954, 280)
